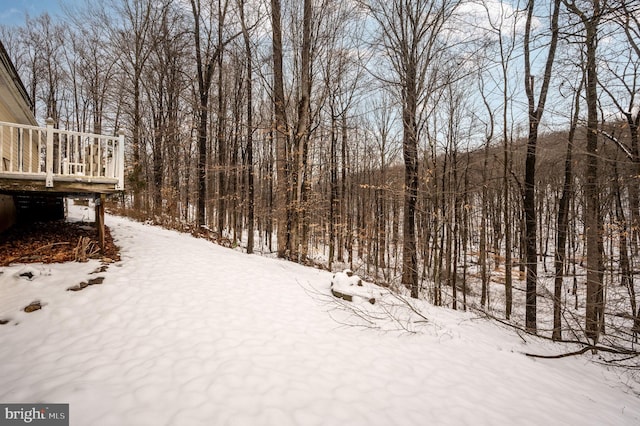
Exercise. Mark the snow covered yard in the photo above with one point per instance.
(184, 332)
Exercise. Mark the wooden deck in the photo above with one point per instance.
(44, 160)
(63, 185)
(49, 160)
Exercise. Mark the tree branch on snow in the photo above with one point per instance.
(630, 353)
(378, 316)
(594, 348)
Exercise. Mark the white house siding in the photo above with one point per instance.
(14, 108)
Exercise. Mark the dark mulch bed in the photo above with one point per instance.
(53, 242)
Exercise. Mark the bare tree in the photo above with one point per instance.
(341, 75)
(163, 83)
(207, 21)
(562, 220)
(301, 136)
(623, 68)
(249, 162)
(47, 37)
(283, 192)
(489, 133)
(410, 40)
(135, 39)
(502, 26)
(589, 15)
(535, 115)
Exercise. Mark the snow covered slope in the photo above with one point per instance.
(183, 332)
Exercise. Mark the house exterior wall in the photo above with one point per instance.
(15, 107)
(19, 147)
(8, 154)
(5, 115)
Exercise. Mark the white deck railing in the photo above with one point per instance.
(51, 153)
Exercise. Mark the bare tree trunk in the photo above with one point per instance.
(283, 189)
(535, 115)
(562, 222)
(346, 196)
(333, 190)
(456, 225)
(221, 160)
(205, 72)
(626, 278)
(410, 154)
(301, 138)
(249, 161)
(341, 220)
(594, 309)
(465, 233)
(490, 126)
(483, 228)
(506, 217)
(158, 168)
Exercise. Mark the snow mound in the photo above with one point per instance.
(345, 285)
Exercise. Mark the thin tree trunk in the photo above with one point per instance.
(333, 191)
(563, 221)
(249, 162)
(221, 160)
(535, 115)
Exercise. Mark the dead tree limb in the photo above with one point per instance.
(586, 349)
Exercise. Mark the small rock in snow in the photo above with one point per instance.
(28, 275)
(96, 280)
(33, 306)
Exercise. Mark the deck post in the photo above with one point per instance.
(48, 165)
(100, 200)
(120, 160)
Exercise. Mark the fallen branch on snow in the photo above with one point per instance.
(586, 349)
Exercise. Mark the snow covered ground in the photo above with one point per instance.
(184, 332)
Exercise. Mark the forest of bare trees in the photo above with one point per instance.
(480, 154)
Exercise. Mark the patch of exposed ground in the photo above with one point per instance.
(54, 242)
